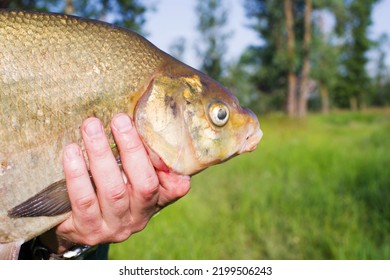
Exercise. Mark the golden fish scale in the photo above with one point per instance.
(54, 68)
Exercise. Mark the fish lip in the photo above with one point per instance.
(254, 133)
(250, 144)
(251, 141)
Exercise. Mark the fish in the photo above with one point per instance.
(57, 70)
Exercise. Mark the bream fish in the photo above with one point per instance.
(57, 70)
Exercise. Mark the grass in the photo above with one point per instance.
(314, 189)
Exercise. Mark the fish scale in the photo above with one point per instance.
(52, 103)
(54, 75)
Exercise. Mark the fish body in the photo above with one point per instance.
(57, 70)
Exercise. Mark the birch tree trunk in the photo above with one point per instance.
(292, 78)
(304, 90)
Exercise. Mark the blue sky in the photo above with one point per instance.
(176, 18)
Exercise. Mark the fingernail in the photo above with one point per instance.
(72, 152)
(93, 128)
(123, 123)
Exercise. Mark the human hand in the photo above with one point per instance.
(121, 205)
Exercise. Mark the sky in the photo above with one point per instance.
(176, 18)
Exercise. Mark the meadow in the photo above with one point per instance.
(317, 188)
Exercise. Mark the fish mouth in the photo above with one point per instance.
(251, 141)
(253, 136)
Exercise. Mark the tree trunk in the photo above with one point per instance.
(292, 78)
(292, 95)
(69, 7)
(304, 91)
(324, 92)
(353, 103)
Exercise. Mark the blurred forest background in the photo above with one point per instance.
(318, 185)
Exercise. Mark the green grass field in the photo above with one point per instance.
(314, 189)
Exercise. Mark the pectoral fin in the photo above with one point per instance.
(10, 251)
(51, 201)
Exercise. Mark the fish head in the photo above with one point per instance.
(190, 123)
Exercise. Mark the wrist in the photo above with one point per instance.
(50, 246)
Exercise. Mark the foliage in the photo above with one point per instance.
(314, 189)
(269, 58)
(353, 25)
(381, 79)
(38, 5)
(212, 46)
(324, 61)
(127, 13)
(238, 81)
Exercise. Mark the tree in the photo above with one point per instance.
(126, 13)
(267, 59)
(353, 82)
(279, 55)
(381, 77)
(304, 89)
(324, 60)
(239, 81)
(212, 45)
(24, 4)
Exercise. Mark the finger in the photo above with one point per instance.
(137, 166)
(173, 187)
(85, 207)
(111, 190)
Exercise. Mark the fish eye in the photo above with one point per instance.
(219, 114)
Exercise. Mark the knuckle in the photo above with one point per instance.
(131, 146)
(181, 191)
(118, 199)
(76, 169)
(150, 188)
(151, 181)
(98, 149)
(117, 193)
(121, 235)
(140, 226)
(85, 203)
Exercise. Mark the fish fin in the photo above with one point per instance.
(51, 201)
(10, 251)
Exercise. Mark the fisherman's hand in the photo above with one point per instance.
(120, 206)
